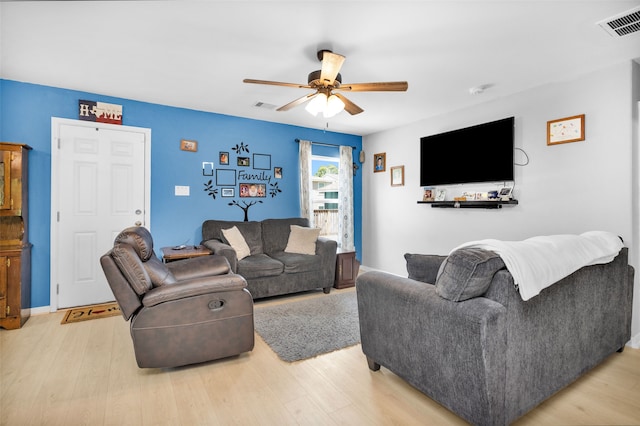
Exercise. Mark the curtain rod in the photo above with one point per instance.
(324, 144)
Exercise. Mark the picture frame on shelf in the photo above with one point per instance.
(379, 162)
(188, 145)
(505, 193)
(428, 194)
(397, 176)
(441, 194)
(565, 130)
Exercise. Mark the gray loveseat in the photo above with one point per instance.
(493, 357)
(269, 270)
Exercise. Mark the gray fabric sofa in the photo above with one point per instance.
(269, 270)
(493, 357)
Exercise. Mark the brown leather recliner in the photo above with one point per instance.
(183, 312)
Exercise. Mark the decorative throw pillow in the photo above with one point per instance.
(302, 240)
(237, 242)
(467, 273)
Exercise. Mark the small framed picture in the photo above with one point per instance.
(253, 190)
(244, 161)
(565, 130)
(379, 162)
(505, 193)
(428, 194)
(224, 158)
(397, 176)
(228, 192)
(277, 172)
(187, 145)
(441, 194)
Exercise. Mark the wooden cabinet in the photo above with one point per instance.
(347, 267)
(15, 249)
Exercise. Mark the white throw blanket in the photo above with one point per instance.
(538, 262)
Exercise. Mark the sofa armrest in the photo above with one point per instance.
(423, 267)
(223, 249)
(327, 249)
(455, 352)
(193, 287)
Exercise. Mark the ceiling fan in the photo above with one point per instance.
(327, 83)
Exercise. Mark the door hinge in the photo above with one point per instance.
(8, 310)
(58, 216)
(8, 262)
(57, 289)
(59, 143)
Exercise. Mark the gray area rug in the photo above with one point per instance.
(304, 329)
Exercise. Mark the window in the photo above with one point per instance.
(325, 195)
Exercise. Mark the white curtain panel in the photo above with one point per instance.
(345, 207)
(306, 209)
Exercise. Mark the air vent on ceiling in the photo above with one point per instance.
(264, 105)
(622, 24)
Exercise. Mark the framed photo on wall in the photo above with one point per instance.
(397, 176)
(379, 162)
(253, 190)
(224, 158)
(187, 145)
(565, 130)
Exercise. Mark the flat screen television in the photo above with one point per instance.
(481, 153)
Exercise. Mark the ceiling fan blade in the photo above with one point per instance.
(331, 64)
(276, 83)
(389, 86)
(297, 102)
(349, 106)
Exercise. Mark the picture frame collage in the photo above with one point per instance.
(239, 174)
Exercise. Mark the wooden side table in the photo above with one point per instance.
(169, 254)
(346, 269)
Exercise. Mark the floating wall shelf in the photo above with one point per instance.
(470, 204)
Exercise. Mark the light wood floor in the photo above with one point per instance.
(85, 373)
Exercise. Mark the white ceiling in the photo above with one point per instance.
(194, 54)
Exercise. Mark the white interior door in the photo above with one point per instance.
(101, 177)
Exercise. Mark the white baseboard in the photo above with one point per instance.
(41, 310)
(635, 341)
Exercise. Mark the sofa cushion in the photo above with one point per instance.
(295, 263)
(251, 231)
(467, 273)
(258, 266)
(302, 240)
(237, 242)
(275, 232)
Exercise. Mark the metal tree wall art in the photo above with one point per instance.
(241, 148)
(245, 208)
(274, 190)
(210, 190)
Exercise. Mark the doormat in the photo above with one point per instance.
(305, 329)
(91, 312)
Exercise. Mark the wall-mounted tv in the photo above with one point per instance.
(481, 153)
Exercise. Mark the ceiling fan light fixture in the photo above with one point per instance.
(317, 104)
(334, 106)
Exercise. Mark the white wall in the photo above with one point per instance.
(568, 188)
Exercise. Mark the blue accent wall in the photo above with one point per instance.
(25, 116)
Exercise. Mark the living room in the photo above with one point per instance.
(568, 188)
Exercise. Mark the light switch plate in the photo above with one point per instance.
(182, 191)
